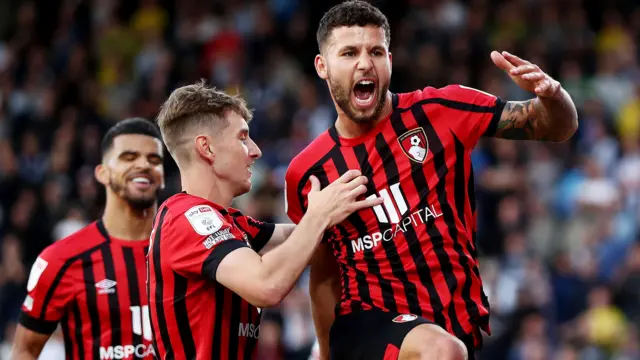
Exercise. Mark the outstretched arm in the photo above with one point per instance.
(551, 116)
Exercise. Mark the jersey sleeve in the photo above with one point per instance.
(295, 194)
(474, 113)
(258, 232)
(198, 239)
(50, 290)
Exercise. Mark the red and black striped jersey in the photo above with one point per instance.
(94, 286)
(192, 315)
(416, 252)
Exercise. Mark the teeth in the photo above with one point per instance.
(366, 82)
(141, 180)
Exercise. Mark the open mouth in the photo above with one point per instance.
(364, 92)
(141, 181)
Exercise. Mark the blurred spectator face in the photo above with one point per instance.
(352, 55)
(30, 146)
(132, 169)
(7, 159)
(599, 297)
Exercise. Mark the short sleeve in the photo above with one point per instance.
(473, 113)
(258, 232)
(198, 239)
(295, 194)
(50, 289)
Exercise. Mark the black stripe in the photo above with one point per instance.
(37, 325)
(393, 177)
(60, 274)
(250, 345)
(159, 294)
(114, 303)
(440, 164)
(78, 330)
(360, 278)
(413, 241)
(313, 170)
(92, 304)
(453, 104)
(216, 344)
(461, 196)
(134, 290)
(68, 346)
(362, 155)
(234, 326)
(351, 264)
(182, 315)
(495, 119)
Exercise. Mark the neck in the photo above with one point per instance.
(200, 182)
(348, 128)
(126, 223)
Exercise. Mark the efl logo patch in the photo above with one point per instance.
(414, 144)
(404, 318)
(203, 219)
(36, 271)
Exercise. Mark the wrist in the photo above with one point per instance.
(316, 219)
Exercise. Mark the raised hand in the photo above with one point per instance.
(339, 199)
(526, 75)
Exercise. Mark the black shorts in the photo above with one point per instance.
(374, 335)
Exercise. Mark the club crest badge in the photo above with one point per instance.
(414, 144)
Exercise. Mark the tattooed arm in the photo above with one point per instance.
(551, 116)
(552, 119)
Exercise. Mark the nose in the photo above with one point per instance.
(364, 61)
(254, 150)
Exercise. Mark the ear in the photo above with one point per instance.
(102, 174)
(321, 67)
(204, 148)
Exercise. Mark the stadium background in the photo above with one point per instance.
(559, 223)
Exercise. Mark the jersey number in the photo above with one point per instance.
(141, 322)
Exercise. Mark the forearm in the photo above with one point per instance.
(27, 344)
(281, 233)
(557, 116)
(22, 355)
(324, 291)
(282, 266)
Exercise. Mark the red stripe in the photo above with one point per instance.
(102, 300)
(408, 186)
(332, 175)
(432, 199)
(124, 298)
(372, 281)
(391, 353)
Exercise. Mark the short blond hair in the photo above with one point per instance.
(194, 108)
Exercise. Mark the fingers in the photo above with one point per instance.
(357, 191)
(348, 176)
(524, 69)
(367, 203)
(315, 183)
(535, 76)
(543, 87)
(360, 180)
(514, 59)
(501, 62)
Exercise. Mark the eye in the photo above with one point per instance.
(155, 160)
(377, 53)
(128, 157)
(349, 53)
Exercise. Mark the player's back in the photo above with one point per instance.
(93, 284)
(193, 316)
(415, 253)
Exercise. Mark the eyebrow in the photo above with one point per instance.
(355, 48)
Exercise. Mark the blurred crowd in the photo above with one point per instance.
(559, 224)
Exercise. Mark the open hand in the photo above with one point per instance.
(340, 198)
(526, 75)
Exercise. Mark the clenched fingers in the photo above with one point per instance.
(523, 69)
(534, 76)
(348, 176)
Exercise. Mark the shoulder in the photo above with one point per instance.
(74, 245)
(191, 214)
(448, 95)
(310, 156)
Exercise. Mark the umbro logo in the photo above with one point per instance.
(106, 286)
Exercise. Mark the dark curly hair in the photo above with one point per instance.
(351, 13)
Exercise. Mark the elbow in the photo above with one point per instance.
(269, 296)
